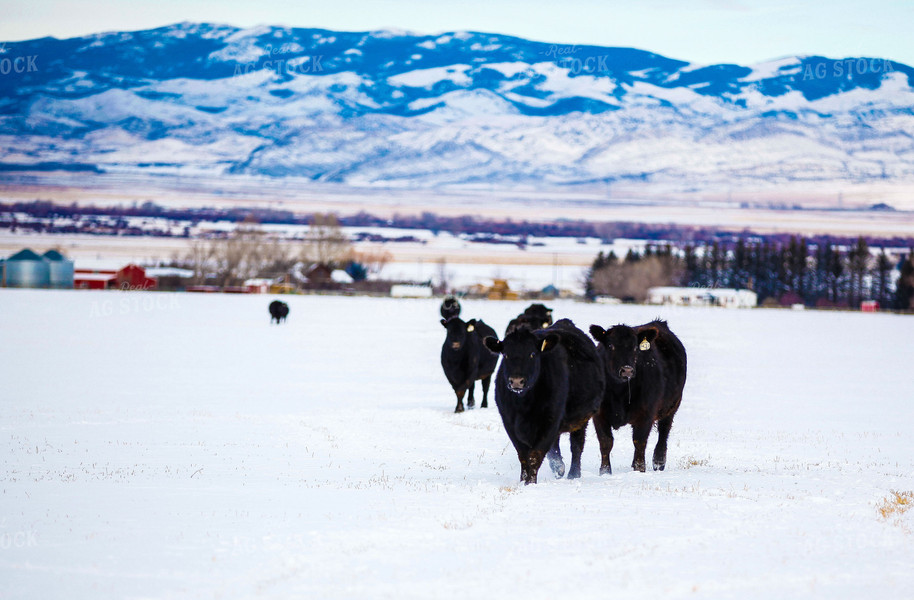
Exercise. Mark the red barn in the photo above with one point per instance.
(131, 277)
(94, 279)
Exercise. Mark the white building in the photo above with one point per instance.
(411, 291)
(688, 296)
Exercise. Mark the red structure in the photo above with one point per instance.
(89, 279)
(869, 306)
(131, 277)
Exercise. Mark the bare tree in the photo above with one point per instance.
(201, 258)
(326, 243)
(632, 279)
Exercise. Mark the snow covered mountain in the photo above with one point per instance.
(399, 109)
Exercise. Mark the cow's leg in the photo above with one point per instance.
(640, 433)
(605, 437)
(460, 391)
(577, 448)
(471, 385)
(663, 432)
(555, 459)
(530, 467)
(485, 391)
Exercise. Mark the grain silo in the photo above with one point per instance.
(60, 270)
(25, 269)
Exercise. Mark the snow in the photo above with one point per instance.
(509, 69)
(774, 68)
(164, 445)
(426, 78)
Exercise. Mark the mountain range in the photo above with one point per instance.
(398, 109)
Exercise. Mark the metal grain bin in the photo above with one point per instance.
(61, 270)
(25, 269)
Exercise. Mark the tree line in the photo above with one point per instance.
(249, 252)
(795, 272)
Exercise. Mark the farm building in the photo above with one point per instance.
(131, 277)
(60, 270)
(26, 269)
(686, 296)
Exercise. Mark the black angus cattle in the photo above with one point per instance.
(550, 382)
(645, 373)
(278, 311)
(535, 316)
(465, 359)
(450, 307)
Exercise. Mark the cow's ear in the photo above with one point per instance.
(471, 325)
(549, 342)
(597, 332)
(646, 337)
(493, 344)
(444, 322)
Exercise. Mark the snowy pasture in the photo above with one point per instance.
(180, 446)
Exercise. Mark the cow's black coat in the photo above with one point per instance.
(645, 373)
(465, 359)
(550, 382)
(535, 316)
(450, 308)
(278, 311)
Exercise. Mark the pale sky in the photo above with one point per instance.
(702, 31)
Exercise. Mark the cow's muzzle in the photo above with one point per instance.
(516, 384)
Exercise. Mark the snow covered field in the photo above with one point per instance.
(179, 446)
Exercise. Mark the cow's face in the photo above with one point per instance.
(457, 331)
(624, 348)
(522, 352)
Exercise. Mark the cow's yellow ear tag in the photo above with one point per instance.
(645, 345)
(470, 328)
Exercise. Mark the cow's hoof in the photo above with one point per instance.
(639, 466)
(658, 466)
(574, 473)
(459, 408)
(471, 404)
(607, 470)
(485, 404)
(558, 467)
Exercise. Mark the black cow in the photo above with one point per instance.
(278, 311)
(450, 307)
(535, 316)
(465, 359)
(550, 382)
(645, 373)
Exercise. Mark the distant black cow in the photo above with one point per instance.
(465, 359)
(550, 382)
(450, 307)
(645, 373)
(535, 316)
(278, 311)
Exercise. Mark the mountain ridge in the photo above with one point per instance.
(396, 109)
